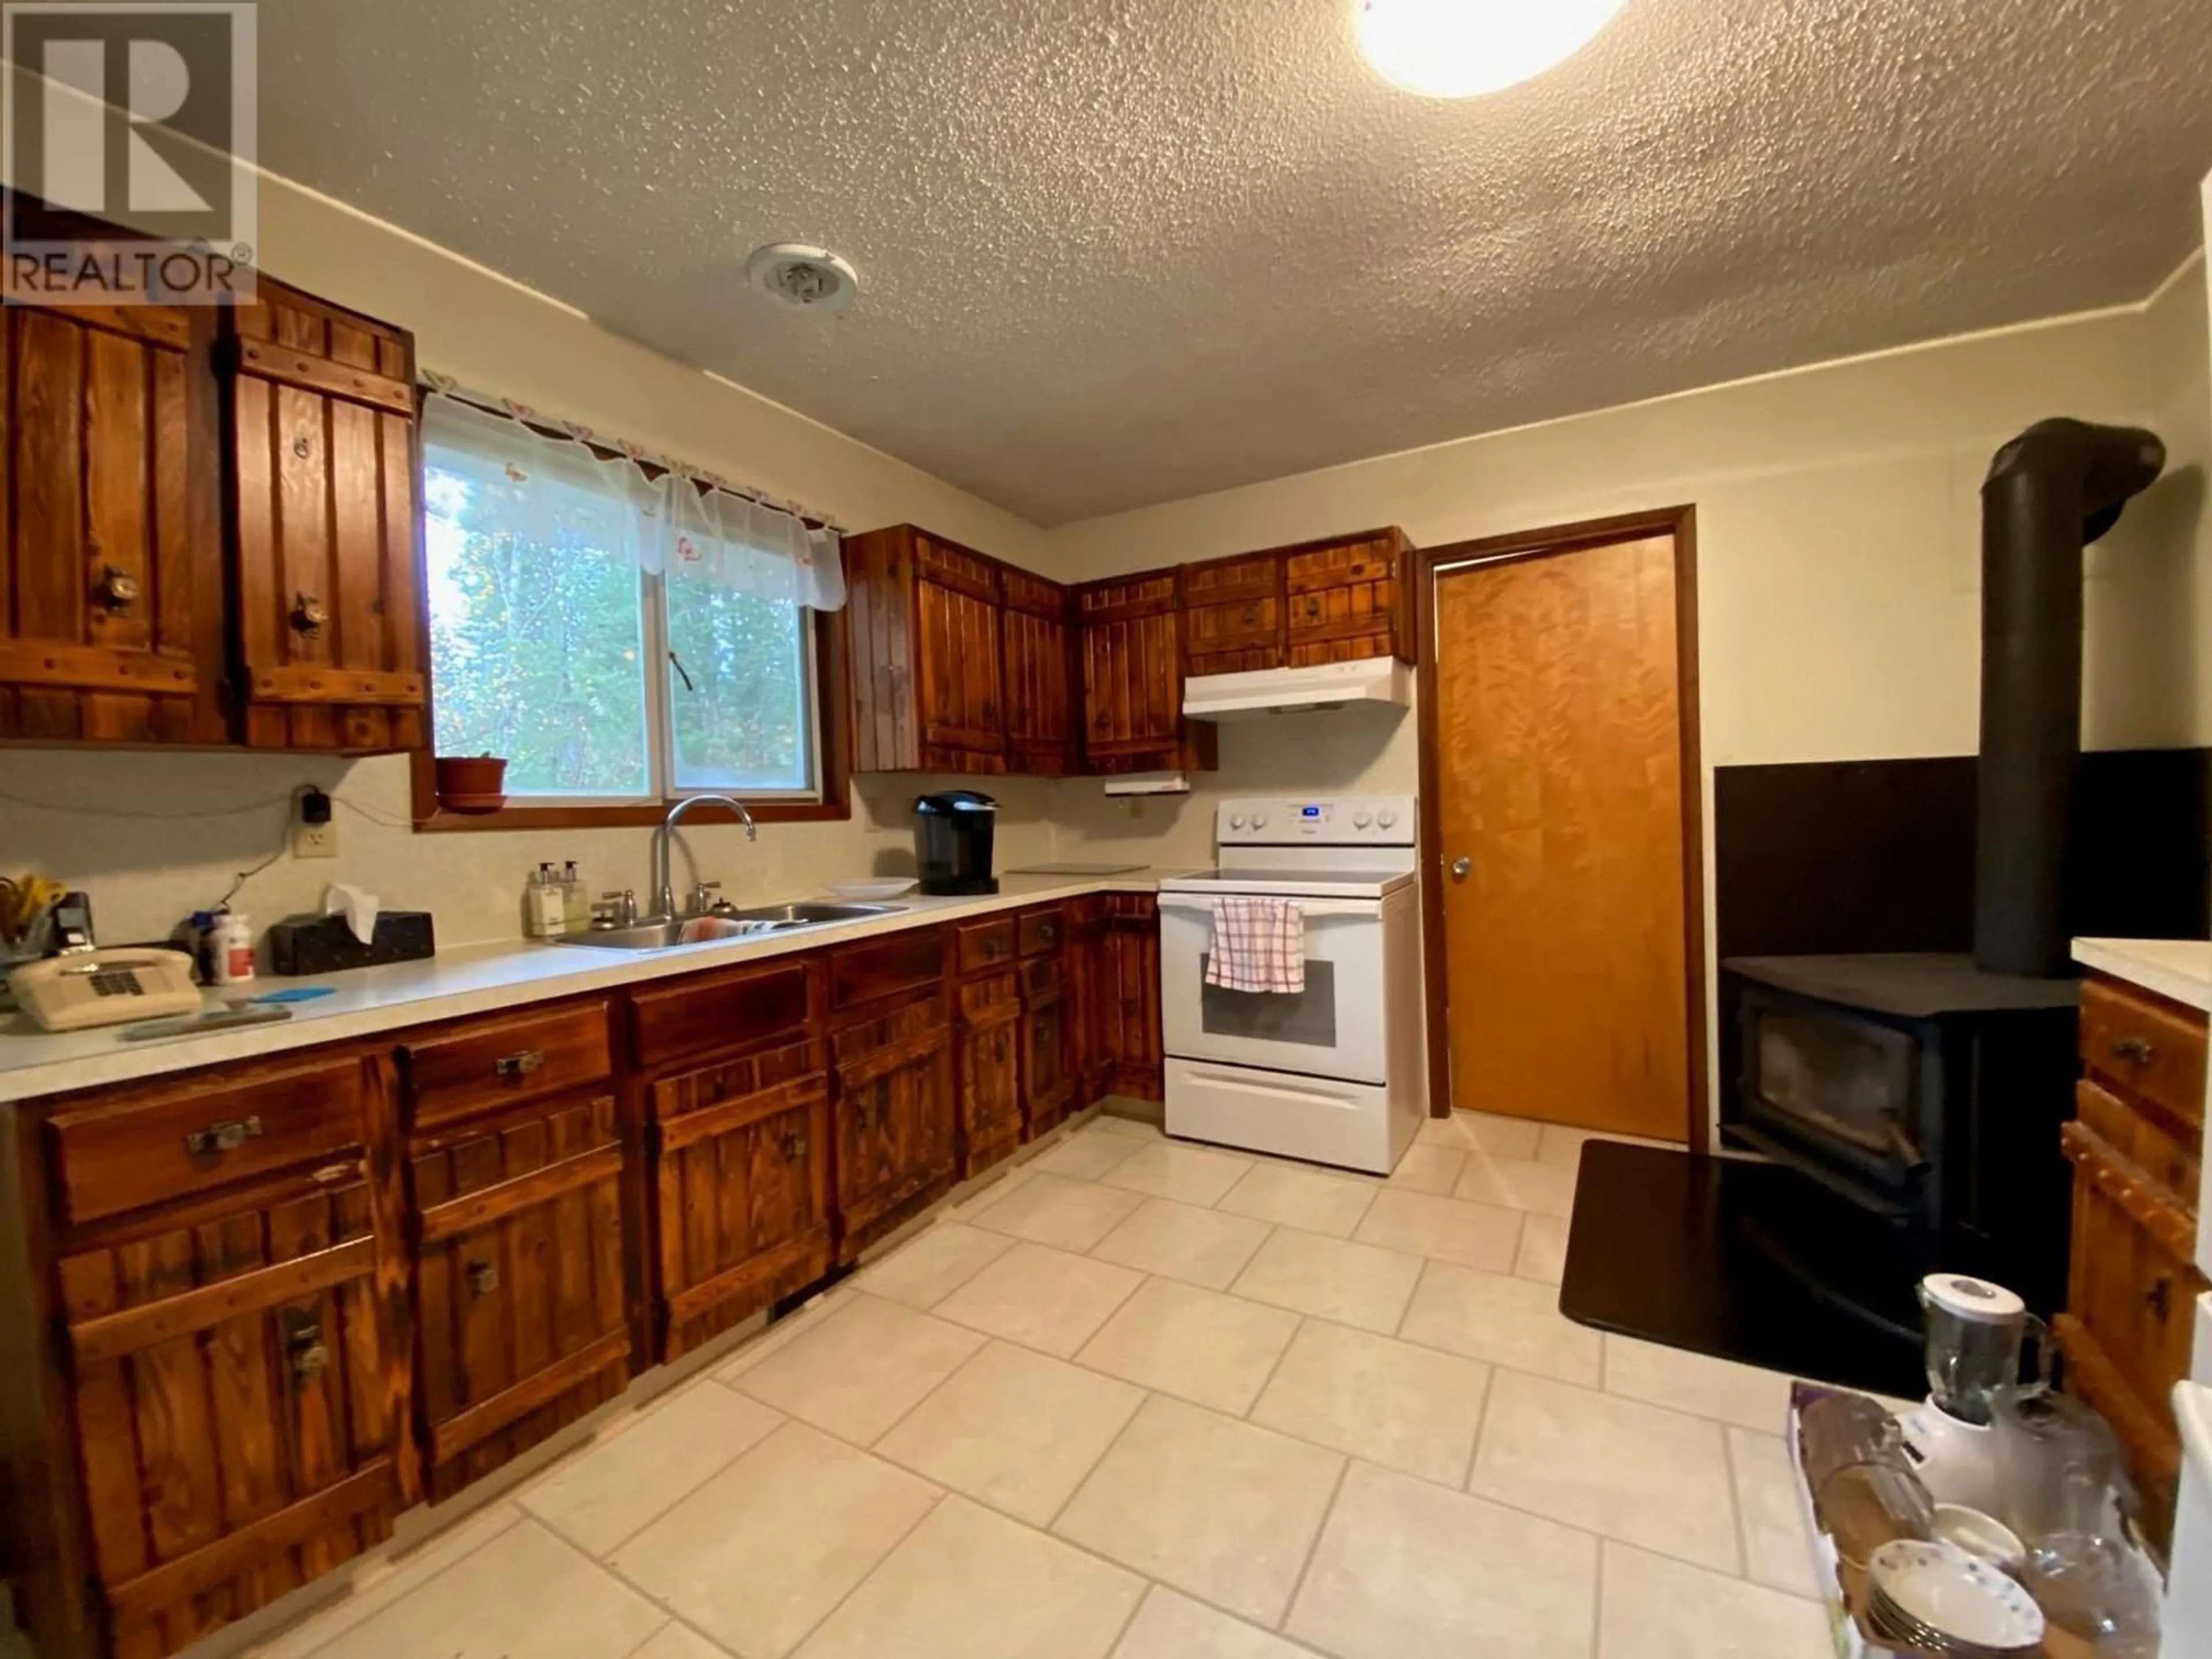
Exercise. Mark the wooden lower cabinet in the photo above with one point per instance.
(250, 1314)
(518, 1280)
(1130, 997)
(990, 1080)
(895, 1109)
(207, 1393)
(741, 1177)
(2135, 1144)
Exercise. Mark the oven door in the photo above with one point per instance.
(1333, 1028)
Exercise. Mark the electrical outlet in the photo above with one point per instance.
(314, 826)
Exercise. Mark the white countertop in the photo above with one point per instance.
(473, 979)
(2177, 968)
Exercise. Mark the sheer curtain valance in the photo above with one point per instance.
(658, 516)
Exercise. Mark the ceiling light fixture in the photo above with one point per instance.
(1461, 48)
(811, 278)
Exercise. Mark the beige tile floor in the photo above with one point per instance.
(1146, 1400)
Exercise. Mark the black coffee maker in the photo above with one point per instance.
(953, 842)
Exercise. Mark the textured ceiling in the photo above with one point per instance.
(1116, 252)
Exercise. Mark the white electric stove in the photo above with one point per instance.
(1332, 1074)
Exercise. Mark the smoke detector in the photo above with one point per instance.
(811, 278)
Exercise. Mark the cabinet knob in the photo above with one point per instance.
(304, 1349)
(309, 614)
(116, 592)
(1462, 868)
(2139, 1049)
(1251, 615)
(1313, 609)
(225, 1137)
(301, 448)
(521, 1063)
(1098, 721)
(794, 1148)
(309, 1360)
(2160, 1296)
(483, 1278)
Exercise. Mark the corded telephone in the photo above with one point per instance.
(83, 988)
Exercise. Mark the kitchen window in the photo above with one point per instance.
(623, 633)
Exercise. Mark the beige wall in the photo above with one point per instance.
(1837, 547)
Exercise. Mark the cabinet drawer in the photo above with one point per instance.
(985, 944)
(2170, 1160)
(484, 1063)
(1041, 931)
(2153, 1048)
(726, 1011)
(163, 1144)
(886, 966)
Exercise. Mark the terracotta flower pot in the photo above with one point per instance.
(472, 783)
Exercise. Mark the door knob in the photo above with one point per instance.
(1462, 868)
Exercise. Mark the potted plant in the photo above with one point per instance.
(472, 783)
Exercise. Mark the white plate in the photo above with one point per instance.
(1949, 1590)
(883, 888)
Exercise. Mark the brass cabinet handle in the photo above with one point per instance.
(2139, 1049)
(309, 615)
(483, 1278)
(116, 592)
(225, 1137)
(794, 1148)
(520, 1064)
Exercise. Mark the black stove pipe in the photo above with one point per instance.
(2052, 491)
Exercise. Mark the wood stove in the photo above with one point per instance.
(1925, 1089)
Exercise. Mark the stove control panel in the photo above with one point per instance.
(1326, 820)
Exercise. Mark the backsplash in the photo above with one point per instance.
(153, 837)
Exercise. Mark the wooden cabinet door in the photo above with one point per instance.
(896, 1112)
(1047, 1088)
(1233, 615)
(240, 1389)
(1088, 1065)
(110, 624)
(1040, 730)
(990, 1073)
(961, 675)
(1132, 673)
(742, 1179)
(1131, 1001)
(1349, 600)
(519, 1281)
(323, 439)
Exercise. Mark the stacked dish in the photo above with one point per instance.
(1937, 1599)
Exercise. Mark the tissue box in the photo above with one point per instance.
(326, 945)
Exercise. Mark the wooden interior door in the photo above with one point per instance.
(1559, 760)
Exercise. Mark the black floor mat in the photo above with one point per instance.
(1748, 1262)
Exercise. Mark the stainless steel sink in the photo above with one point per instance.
(659, 932)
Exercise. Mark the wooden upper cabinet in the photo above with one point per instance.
(1349, 598)
(1040, 722)
(1133, 675)
(1233, 615)
(959, 672)
(323, 461)
(111, 620)
(928, 671)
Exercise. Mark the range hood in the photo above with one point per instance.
(1289, 690)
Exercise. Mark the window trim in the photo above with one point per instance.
(832, 731)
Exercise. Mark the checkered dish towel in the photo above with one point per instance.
(1259, 944)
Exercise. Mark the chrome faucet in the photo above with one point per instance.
(660, 871)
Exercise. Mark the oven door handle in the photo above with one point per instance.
(1311, 909)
